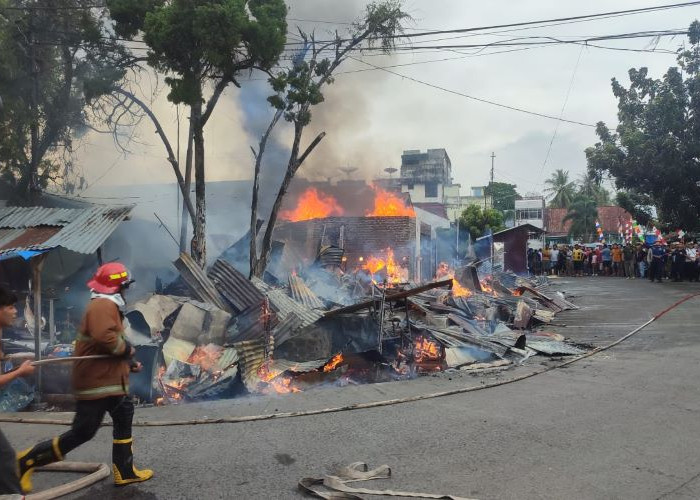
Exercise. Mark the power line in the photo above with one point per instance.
(555, 20)
(566, 101)
(478, 99)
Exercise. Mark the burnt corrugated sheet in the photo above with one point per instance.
(283, 304)
(302, 293)
(278, 366)
(202, 287)
(235, 288)
(251, 356)
(286, 329)
(330, 256)
(81, 230)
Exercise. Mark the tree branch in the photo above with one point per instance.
(168, 148)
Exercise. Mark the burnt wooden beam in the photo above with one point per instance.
(389, 298)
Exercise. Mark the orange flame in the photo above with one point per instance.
(444, 271)
(388, 204)
(274, 382)
(333, 363)
(313, 205)
(425, 350)
(395, 273)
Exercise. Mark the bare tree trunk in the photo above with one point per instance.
(295, 162)
(256, 188)
(171, 154)
(188, 181)
(199, 250)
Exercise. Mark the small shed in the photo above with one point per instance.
(29, 234)
(514, 242)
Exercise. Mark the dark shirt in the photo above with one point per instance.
(658, 252)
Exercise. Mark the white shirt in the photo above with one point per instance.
(690, 254)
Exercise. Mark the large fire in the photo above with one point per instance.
(388, 204)
(313, 205)
(395, 273)
(444, 271)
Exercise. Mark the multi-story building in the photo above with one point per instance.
(530, 210)
(427, 177)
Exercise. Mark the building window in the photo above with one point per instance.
(410, 186)
(431, 190)
(528, 214)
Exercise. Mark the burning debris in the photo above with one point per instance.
(375, 326)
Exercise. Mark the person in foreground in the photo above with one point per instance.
(100, 385)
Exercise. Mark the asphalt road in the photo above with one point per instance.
(622, 424)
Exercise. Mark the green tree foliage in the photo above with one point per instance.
(561, 190)
(590, 186)
(636, 204)
(198, 45)
(478, 221)
(56, 58)
(582, 212)
(503, 195)
(655, 149)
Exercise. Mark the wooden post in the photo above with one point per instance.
(37, 263)
(52, 323)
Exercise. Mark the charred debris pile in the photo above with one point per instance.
(228, 335)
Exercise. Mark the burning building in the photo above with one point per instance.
(380, 231)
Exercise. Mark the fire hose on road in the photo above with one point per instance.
(374, 404)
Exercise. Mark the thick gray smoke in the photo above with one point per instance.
(345, 115)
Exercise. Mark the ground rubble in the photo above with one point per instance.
(233, 336)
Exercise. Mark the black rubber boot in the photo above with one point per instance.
(43, 453)
(123, 464)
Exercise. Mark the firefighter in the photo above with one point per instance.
(100, 385)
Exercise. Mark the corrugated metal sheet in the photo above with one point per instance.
(302, 293)
(199, 283)
(236, 288)
(286, 329)
(283, 305)
(251, 357)
(331, 256)
(81, 230)
(229, 356)
(553, 347)
(23, 217)
(278, 366)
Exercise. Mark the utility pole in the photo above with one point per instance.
(33, 177)
(493, 159)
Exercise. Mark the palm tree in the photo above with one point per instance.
(590, 186)
(582, 214)
(561, 190)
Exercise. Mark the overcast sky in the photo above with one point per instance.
(371, 117)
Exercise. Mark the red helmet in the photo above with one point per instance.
(110, 278)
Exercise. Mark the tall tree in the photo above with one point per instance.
(201, 45)
(589, 185)
(299, 88)
(582, 212)
(655, 149)
(503, 195)
(636, 204)
(560, 190)
(478, 221)
(55, 57)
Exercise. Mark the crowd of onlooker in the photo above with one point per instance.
(678, 261)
